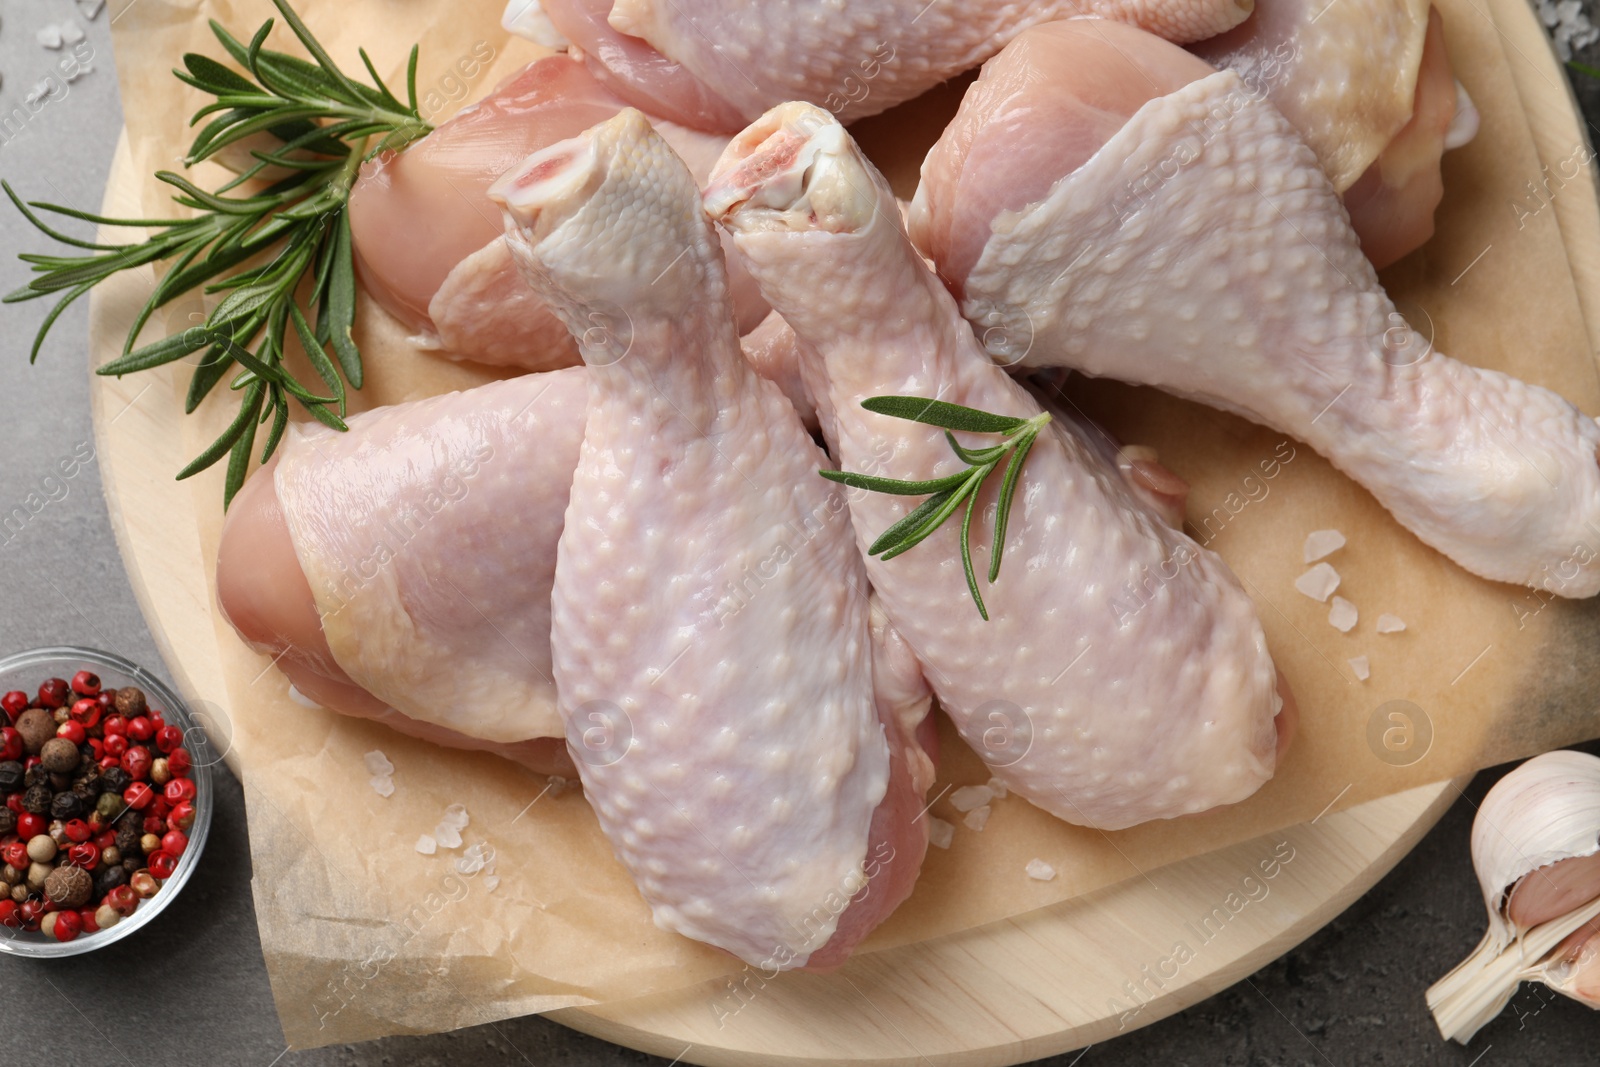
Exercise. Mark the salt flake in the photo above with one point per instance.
(377, 763)
(1390, 624)
(91, 8)
(71, 32)
(977, 818)
(382, 784)
(1319, 582)
(1040, 871)
(1322, 543)
(998, 788)
(427, 845)
(447, 835)
(971, 796)
(491, 882)
(940, 833)
(49, 36)
(455, 815)
(1362, 668)
(1342, 615)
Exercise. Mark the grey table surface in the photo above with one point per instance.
(193, 988)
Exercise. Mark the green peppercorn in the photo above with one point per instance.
(110, 805)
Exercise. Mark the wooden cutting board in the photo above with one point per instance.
(1046, 982)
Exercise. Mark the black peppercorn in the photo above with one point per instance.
(108, 879)
(60, 782)
(37, 799)
(86, 753)
(10, 776)
(8, 820)
(115, 780)
(36, 775)
(130, 865)
(128, 834)
(66, 806)
(87, 789)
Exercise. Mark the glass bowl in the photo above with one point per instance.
(25, 671)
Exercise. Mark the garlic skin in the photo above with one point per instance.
(1536, 850)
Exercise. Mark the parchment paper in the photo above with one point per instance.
(365, 937)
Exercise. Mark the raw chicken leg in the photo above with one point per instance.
(1199, 248)
(428, 240)
(711, 632)
(1368, 84)
(716, 64)
(407, 563)
(1123, 675)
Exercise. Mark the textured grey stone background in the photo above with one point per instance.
(193, 990)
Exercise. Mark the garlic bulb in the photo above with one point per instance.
(1536, 848)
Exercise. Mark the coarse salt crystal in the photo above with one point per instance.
(71, 32)
(971, 796)
(447, 835)
(1390, 624)
(472, 861)
(1040, 871)
(1361, 667)
(999, 789)
(1322, 543)
(977, 818)
(1342, 615)
(427, 845)
(455, 815)
(301, 699)
(940, 833)
(49, 36)
(491, 882)
(377, 762)
(382, 784)
(91, 8)
(1319, 582)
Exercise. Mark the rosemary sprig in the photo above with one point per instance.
(947, 494)
(322, 125)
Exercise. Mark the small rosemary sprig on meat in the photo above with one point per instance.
(950, 492)
(321, 125)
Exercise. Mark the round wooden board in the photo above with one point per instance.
(1046, 982)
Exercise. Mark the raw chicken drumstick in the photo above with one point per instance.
(717, 64)
(1124, 675)
(1191, 242)
(1368, 84)
(711, 633)
(402, 570)
(428, 239)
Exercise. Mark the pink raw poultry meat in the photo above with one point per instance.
(712, 639)
(1187, 238)
(1101, 711)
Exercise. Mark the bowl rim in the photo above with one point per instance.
(17, 942)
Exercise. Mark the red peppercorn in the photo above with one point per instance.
(175, 842)
(105, 839)
(54, 693)
(16, 854)
(87, 711)
(138, 795)
(76, 830)
(14, 703)
(98, 747)
(14, 802)
(86, 683)
(31, 909)
(108, 762)
(108, 700)
(179, 789)
(161, 863)
(115, 745)
(136, 761)
(67, 925)
(140, 728)
(182, 817)
(84, 855)
(169, 739)
(114, 724)
(30, 826)
(157, 719)
(90, 926)
(155, 824)
(10, 743)
(179, 762)
(73, 731)
(8, 913)
(123, 899)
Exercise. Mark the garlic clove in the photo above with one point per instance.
(1573, 969)
(1536, 850)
